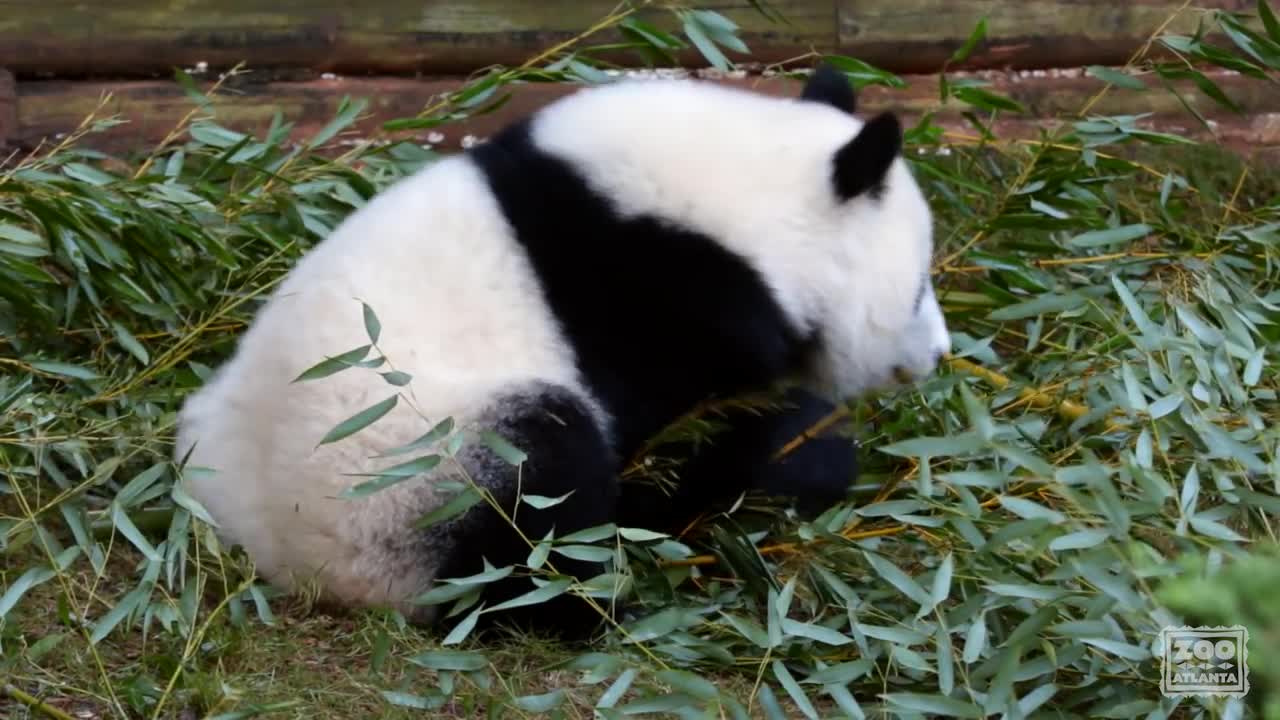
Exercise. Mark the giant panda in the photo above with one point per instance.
(573, 284)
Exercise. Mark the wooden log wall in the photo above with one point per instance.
(8, 107)
(305, 56)
(129, 38)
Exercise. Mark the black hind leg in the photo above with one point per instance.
(566, 454)
(816, 474)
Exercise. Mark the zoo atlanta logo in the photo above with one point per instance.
(1205, 661)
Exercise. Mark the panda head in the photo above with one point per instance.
(879, 321)
(818, 199)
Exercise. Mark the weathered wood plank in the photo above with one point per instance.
(8, 108)
(132, 38)
(922, 34)
(140, 38)
(153, 108)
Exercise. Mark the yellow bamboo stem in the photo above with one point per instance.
(34, 703)
(1034, 396)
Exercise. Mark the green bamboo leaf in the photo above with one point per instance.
(585, 553)
(35, 577)
(88, 174)
(934, 704)
(392, 476)
(749, 629)
(976, 36)
(543, 703)
(348, 111)
(1110, 236)
(416, 702)
(841, 674)
(372, 326)
(941, 588)
(64, 369)
(542, 502)
(504, 449)
(639, 535)
(140, 484)
(360, 420)
(397, 378)
(895, 635)
(897, 578)
(121, 520)
(464, 628)
(824, 635)
(1135, 309)
(1030, 510)
(1108, 583)
(1268, 503)
(1165, 405)
(336, 364)
(1214, 529)
(1028, 591)
(1253, 368)
(975, 639)
(1205, 333)
(451, 660)
(617, 689)
(21, 236)
(591, 534)
(1120, 649)
(1079, 540)
(694, 30)
(117, 614)
(541, 552)
(945, 659)
(1044, 304)
(437, 433)
(130, 343)
(443, 593)
(769, 703)
(1115, 77)
(935, 447)
(690, 683)
(460, 503)
(986, 99)
(793, 689)
(261, 606)
(538, 596)
(659, 624)
(1269, 20)
(1145, 450)
(21, 250)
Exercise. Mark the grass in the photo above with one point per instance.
(1100, 459)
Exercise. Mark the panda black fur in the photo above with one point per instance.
(574, 284)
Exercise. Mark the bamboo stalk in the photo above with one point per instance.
(34, 703)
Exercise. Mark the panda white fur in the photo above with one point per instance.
(574, 283)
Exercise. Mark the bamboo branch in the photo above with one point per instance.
(34, 703)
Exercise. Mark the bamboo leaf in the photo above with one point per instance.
(360, 420)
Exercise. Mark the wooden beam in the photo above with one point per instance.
(139, 38)
(148, 38)
(922, 34)
(8, 108)
(152, 108)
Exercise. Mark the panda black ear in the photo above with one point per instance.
(863, 162)
(829, 86)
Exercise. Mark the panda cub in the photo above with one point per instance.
(574, 284)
